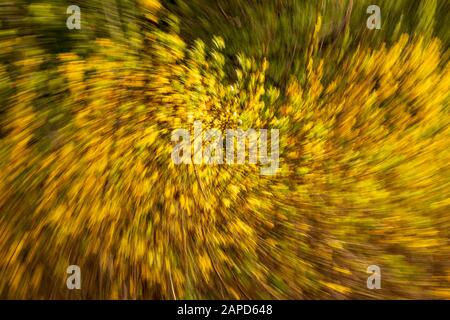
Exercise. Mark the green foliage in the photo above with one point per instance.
(85, 150)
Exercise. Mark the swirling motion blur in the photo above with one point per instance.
(86, 175)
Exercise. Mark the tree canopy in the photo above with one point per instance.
(86, 175)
